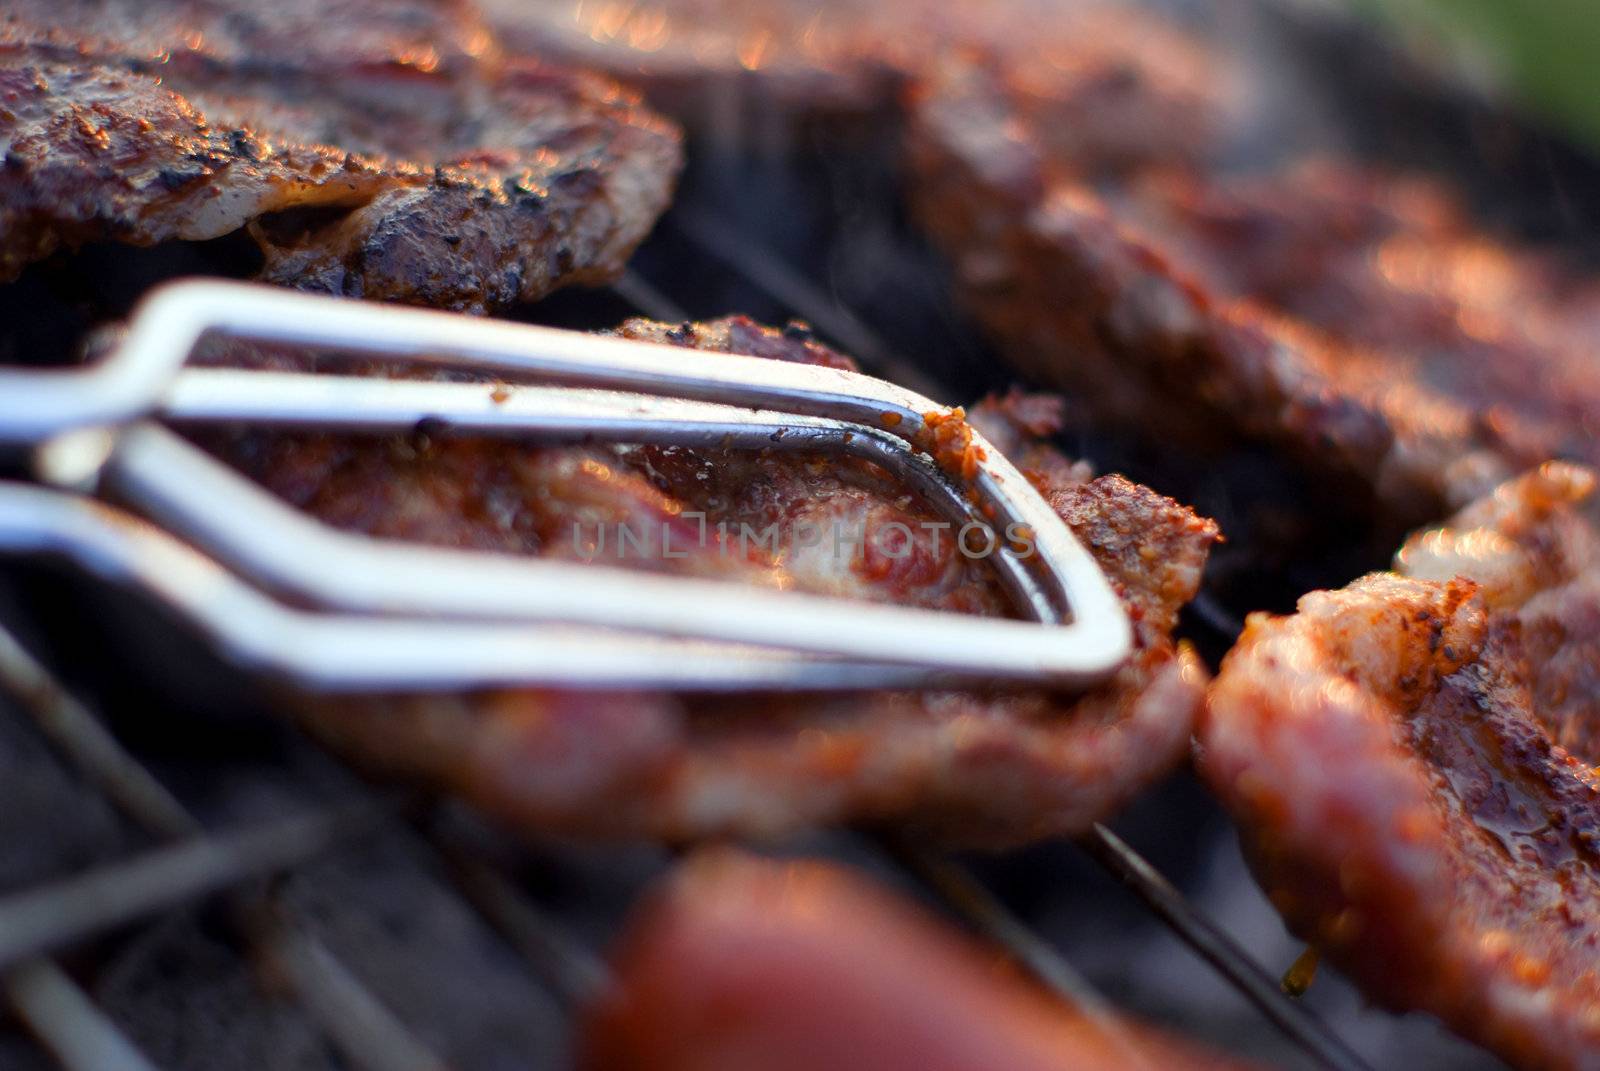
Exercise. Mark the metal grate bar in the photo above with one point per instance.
(89, 746)
(1216, 616)
(112, 769)
(369, 1035)
(957, 886)
(53, 1007)
(643, 295)
(66, 1022)
(1219, 950)
(574, 973)
(769, 273)
(569, 967)
(359, 1024)
(49, 916)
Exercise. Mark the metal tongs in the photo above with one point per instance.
(283, 595)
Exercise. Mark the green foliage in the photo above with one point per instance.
(1544, 52)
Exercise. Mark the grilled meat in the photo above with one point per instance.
(421, 36)
(967, 767)
(1533, 548)
(850, 56)
(746, 963)
(455, 185)
(1357, 320)
(1411, 761)
(687, 51)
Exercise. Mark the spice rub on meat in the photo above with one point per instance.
(981, 769)
(1359, 320)
(1412, 764)
(452, 178)
(740, 962)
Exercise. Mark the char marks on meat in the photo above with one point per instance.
(971, 768)
(1359, 320)
(362, 163)
(786, 966)
(1411, 761)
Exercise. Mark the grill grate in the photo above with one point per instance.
(355, 1020)
(44, 918)
(56, 915)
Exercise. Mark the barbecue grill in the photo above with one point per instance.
(189, 888)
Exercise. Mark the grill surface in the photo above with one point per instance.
(444, 942)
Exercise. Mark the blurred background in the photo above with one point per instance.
(1540, 54)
